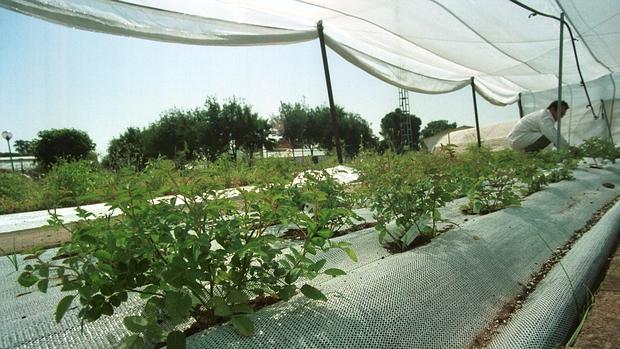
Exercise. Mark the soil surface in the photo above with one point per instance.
(602, 325)
(26, 240)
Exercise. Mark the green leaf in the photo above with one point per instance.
(318, 265)
(154, 333)
(334, 272)
(178, 304)
(136, 324)
(287, 292)
(27, 279)
(103, 255)
(310, 247)
(63, 306)
(131, 342)
(220, 307)
(42, 285)
(175, 340)
(318, 241)
(70, 285)
(107, 309)
(313, 293)
(44, 271)
(236, 296)
(292, 276)
(351, 253)
(325, 233)
(243, 324)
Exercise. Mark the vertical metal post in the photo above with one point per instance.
(332, 108)
(520, 104)
(473, 94)
(606, 120)
(613, 100)
(10, 155)
(558, 108)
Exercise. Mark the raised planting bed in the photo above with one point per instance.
(437, 295)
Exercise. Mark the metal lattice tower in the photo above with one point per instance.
(405, 124)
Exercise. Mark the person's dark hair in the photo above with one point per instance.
(554, 105)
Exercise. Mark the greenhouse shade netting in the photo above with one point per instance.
(421, 45)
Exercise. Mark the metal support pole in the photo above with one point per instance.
(473, 94)
(10, 155)
(606, 120)
(520, 104)
(613, 100)
(558, 108)
(332, 108)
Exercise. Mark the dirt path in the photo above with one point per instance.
(602, 327)
(25, 240)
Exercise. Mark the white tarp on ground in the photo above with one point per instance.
(430, 46)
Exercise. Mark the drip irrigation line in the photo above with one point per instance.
(572, 40)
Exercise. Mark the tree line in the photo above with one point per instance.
(232, 127)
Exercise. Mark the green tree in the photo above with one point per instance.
(245, 129)
(69, 144)
(23, 147)
(174, 136)
(392, 127)
(356, 133)
(435, 127)
(291, 123)
(126, 151)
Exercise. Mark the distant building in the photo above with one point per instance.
(20, 163)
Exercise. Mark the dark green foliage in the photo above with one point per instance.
(292, 124)
(23, 147)
(245, 129)
(435, 127)
(205, 132)
(74, 183)
(19, 193)
(408, 191)
(179, 136)
(54, 145)
(493, 192)
(303, 126)
(356, 134)
(599, 149)
(392, 130)
(126, 151)
(198, 255)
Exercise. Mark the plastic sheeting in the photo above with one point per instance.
(439, 295)
(549, 315)
(427, 46)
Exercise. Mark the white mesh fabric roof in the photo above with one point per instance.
(422, 45)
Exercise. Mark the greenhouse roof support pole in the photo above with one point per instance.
(606, 120)
(520, 104)
(473, 94)
(332, 108)
(558, 109)
(613, 100)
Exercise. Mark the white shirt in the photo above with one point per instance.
(531, 127)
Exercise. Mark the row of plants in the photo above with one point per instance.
(212, 259)
(82, 182)
(406, 192)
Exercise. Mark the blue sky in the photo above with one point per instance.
(54, 77)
